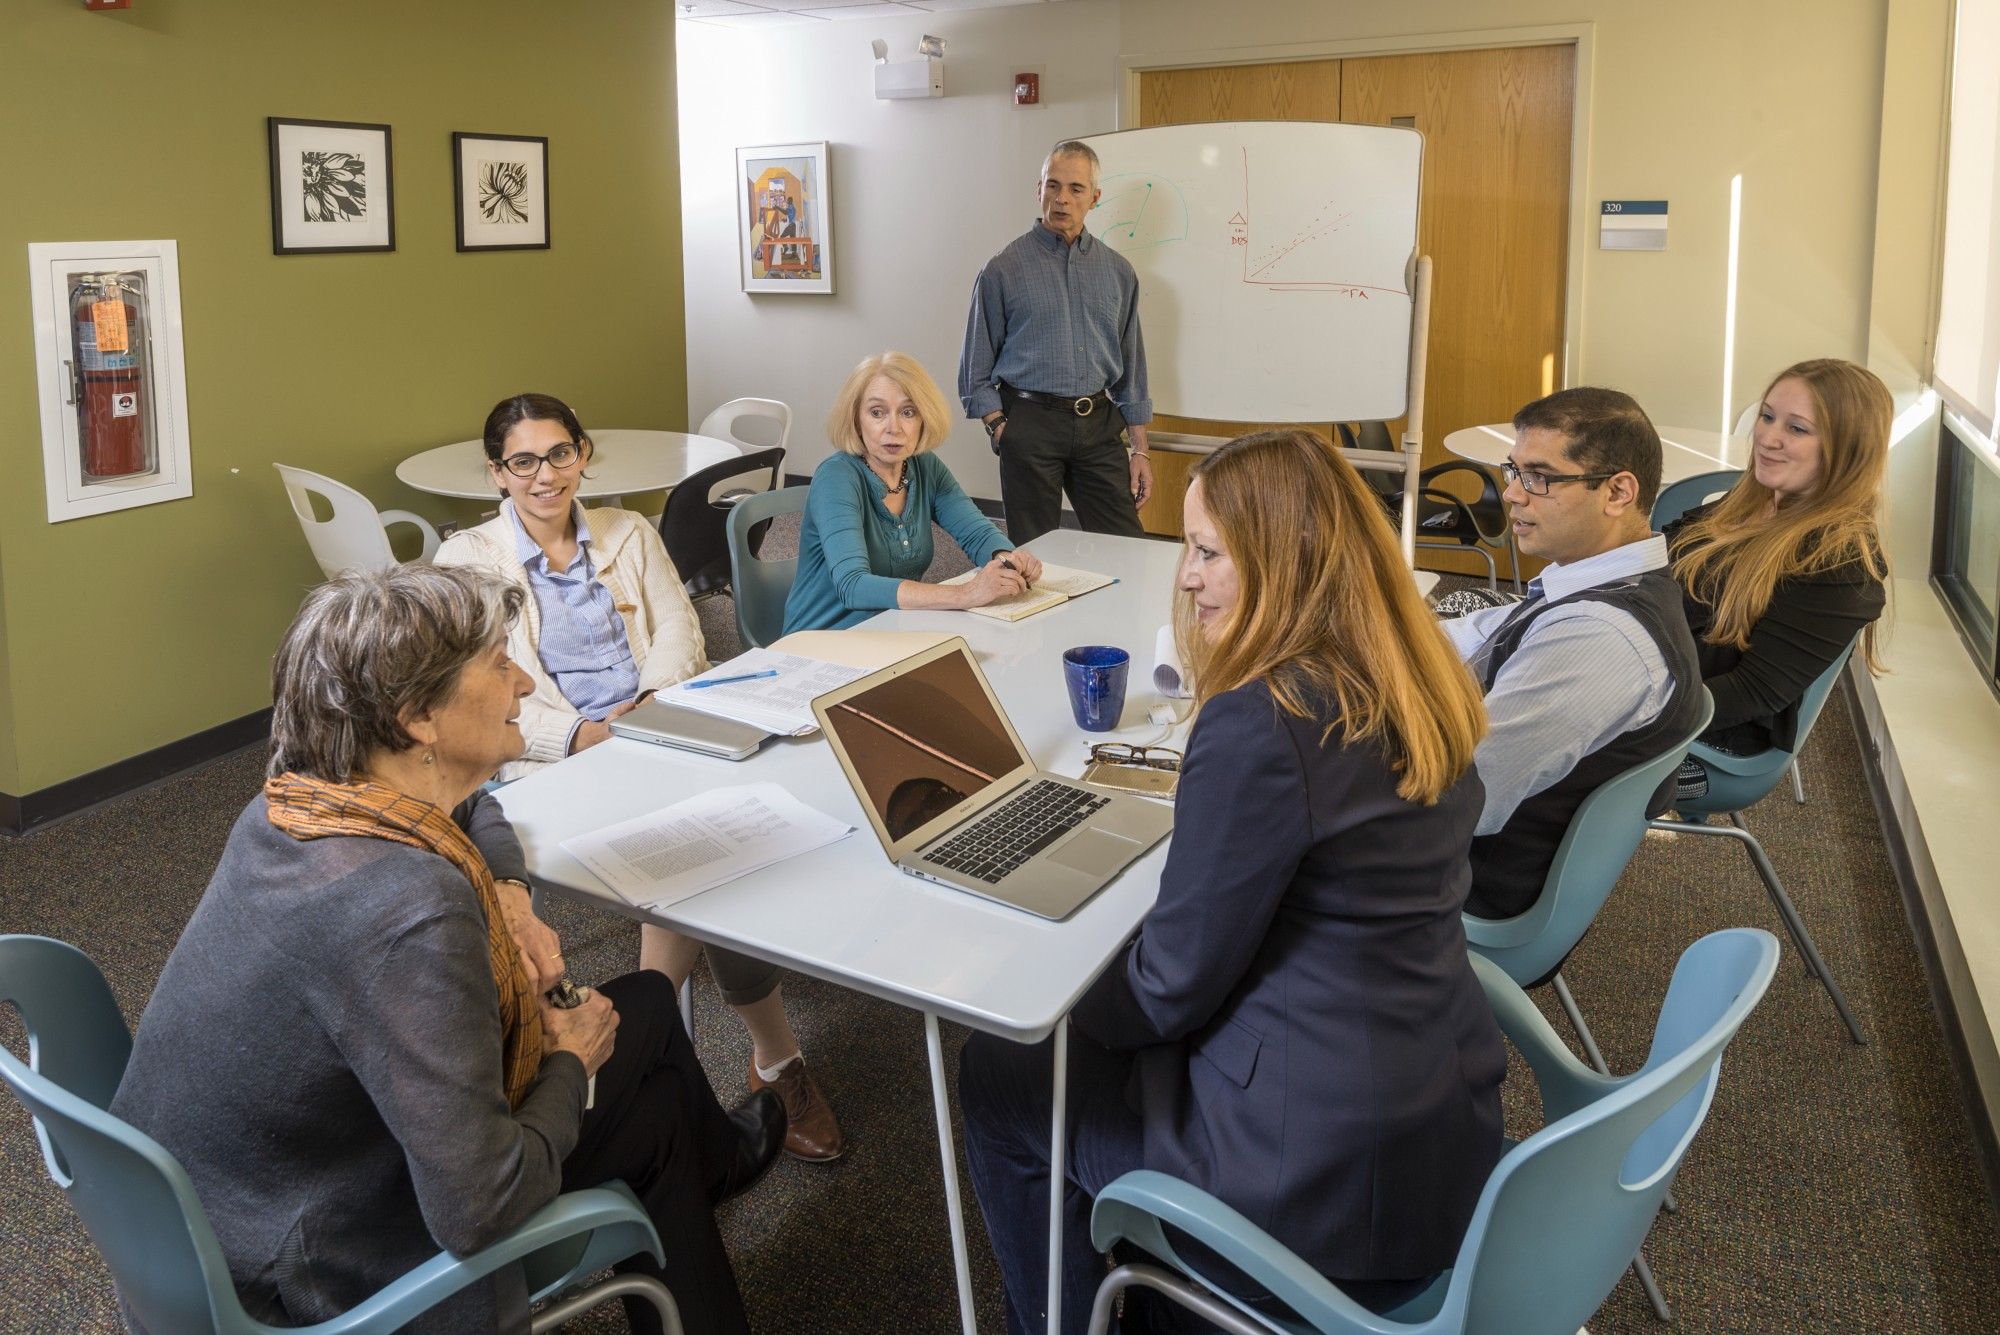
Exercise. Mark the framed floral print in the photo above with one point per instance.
(502, 187)
(330, 187)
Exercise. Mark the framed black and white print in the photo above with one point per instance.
(330, 187)
(503, 191)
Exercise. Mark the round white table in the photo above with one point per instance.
(1685, 451)
(625, 463)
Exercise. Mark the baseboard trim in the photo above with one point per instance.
(1924, 932)
(20, 814)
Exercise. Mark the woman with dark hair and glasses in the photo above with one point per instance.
(605, 623)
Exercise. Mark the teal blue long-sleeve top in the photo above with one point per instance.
(853, 552)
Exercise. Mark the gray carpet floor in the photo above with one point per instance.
(1834, 1187)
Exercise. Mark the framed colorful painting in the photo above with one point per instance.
(784, 218)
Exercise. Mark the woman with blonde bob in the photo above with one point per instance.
(1296, 1019)
(1785, 570)
(866, 540)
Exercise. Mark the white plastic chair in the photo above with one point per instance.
(721, 423)
(355, 538)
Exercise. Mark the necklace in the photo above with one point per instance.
(902, 481)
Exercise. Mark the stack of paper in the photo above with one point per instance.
(679, 851)
(776, 696)
(1057, 585)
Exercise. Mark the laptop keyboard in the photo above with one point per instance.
(1015, 831)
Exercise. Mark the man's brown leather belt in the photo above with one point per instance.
(1082, 407)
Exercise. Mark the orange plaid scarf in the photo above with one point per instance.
(307, 808)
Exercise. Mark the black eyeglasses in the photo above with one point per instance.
(1537, 483)
(524, 464)
(1124, 753)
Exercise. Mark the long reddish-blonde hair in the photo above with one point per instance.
(1326, 607)
(1733, 557)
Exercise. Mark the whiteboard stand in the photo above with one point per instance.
(1409, 459)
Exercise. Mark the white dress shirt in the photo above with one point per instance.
(1581, 675)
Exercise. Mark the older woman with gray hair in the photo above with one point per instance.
(352, 1049)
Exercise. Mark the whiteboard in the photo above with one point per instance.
(1275, 262)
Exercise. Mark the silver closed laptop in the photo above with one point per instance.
(665, 724)
(955, 798)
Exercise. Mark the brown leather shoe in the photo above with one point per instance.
(812, 1132)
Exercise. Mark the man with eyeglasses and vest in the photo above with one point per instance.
(1055, 367)
(1595, 671)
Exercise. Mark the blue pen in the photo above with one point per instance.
(725, 681)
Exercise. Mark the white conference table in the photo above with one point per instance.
(844, 913)
(624, 463)
(1684, 451)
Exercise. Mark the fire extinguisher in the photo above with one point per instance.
(108, 321)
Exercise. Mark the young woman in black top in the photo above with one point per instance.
(1781, 573)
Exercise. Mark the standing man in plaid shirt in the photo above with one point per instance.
(1055, 366)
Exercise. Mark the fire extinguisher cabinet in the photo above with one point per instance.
(112, 375)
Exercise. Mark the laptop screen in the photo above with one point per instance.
(923, 741)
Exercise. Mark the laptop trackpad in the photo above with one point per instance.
(1096, 852)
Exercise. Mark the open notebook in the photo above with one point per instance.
(1057, 585)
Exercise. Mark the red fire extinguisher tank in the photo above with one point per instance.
(108, 323)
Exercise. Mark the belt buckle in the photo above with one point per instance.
(1086, 405)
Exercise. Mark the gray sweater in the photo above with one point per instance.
(322, 1055)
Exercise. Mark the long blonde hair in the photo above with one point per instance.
(1733, 557)
(1326, 607)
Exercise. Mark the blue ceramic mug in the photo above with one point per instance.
(1095, 675)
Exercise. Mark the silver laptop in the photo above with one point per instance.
(955, 798)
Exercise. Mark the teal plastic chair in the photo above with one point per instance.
(1676, 499)
(1736, 783)
(1683, 496)
(1600, 841)
(142, 1212)
(761, 586)
(1561, 1216)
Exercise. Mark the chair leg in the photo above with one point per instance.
(1575, 1013)
(1190, 1296)
(630, 1285)
(1492, 567)
(1652, 1288)
(1576, 1022)
(1798, 784)
(1787, 911)
(1514, 559)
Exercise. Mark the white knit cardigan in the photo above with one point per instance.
(632, 562)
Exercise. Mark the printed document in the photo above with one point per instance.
(780, 703)
(679, 851)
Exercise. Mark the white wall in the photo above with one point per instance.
(923, 192)
(1681, 98)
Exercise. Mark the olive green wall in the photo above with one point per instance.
(123, 632)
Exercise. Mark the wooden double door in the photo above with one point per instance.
(1494, 218)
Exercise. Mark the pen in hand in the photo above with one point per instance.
(1026, 583)
(725, 681)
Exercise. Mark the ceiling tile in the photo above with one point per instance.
(760, 20)
(868, 10)
(951, 6)
(708, 9)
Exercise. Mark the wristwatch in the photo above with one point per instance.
(993, 425)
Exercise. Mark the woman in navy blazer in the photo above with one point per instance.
(1295, 1028)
